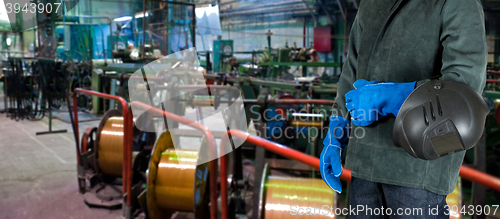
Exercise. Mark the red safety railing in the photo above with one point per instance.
(465, 172)
(211, 145)
(492, 81)
(268, 145)
(493, 72)
(480, 177)
(127, 136)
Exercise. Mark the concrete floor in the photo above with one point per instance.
(38, 173)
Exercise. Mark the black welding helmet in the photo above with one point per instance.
(440, 118)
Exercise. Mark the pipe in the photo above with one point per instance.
(295, 18)
(193, 24)
(75, 134)
(345, 33)
(493, 72)
(143, 29)
(223, 185)
(304, 34)
(302, 101)
(262, 5)
(290, 102)
(480, 177)
(492, 81)
(270, 10)
(127, 136)
(167, 37)
(211, 145)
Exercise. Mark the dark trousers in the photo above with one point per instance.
(379, 200)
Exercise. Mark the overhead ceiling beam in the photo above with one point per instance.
(341, 9)
(311, 12)
(329, 16)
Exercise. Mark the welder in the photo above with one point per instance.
(394, 47)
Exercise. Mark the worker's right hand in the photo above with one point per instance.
(330, 159)
(371, 100)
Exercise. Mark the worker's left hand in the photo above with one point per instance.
(371, 100)
(330, 159)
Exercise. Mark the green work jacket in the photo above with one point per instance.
(416, 40)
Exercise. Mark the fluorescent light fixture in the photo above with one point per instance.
(141, 14)
(124, 18)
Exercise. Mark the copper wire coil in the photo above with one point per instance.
(178, 194)
(454, 201)
(110, 148)
(307, 123)
(175, 181)
(203, 102)
(284, 197)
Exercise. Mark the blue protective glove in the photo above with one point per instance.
(371, 100)
(329, 162)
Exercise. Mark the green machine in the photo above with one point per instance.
(223, 49)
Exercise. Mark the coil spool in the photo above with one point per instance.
(307, 124)
(454, 201)
(110, 143)
(175, 181)
(279, 194)
(307, 120)
(110, 140)
(203, 101)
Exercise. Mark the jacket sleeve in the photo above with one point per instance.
(465, 53)
(348, 75)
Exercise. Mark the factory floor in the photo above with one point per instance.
(38, 173)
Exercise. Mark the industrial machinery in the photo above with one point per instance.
(33, 86)
(223, 49)
(101, 159)
(144, 172)
(22, 89)
(162, 179)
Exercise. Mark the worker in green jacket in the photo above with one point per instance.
(398, 45)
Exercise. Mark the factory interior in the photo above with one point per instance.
(190, 109)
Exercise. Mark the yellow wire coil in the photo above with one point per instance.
(454, 201)
(175, 180)
(307, 123)
(203, 102)
(289, 197)
(110, 150)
